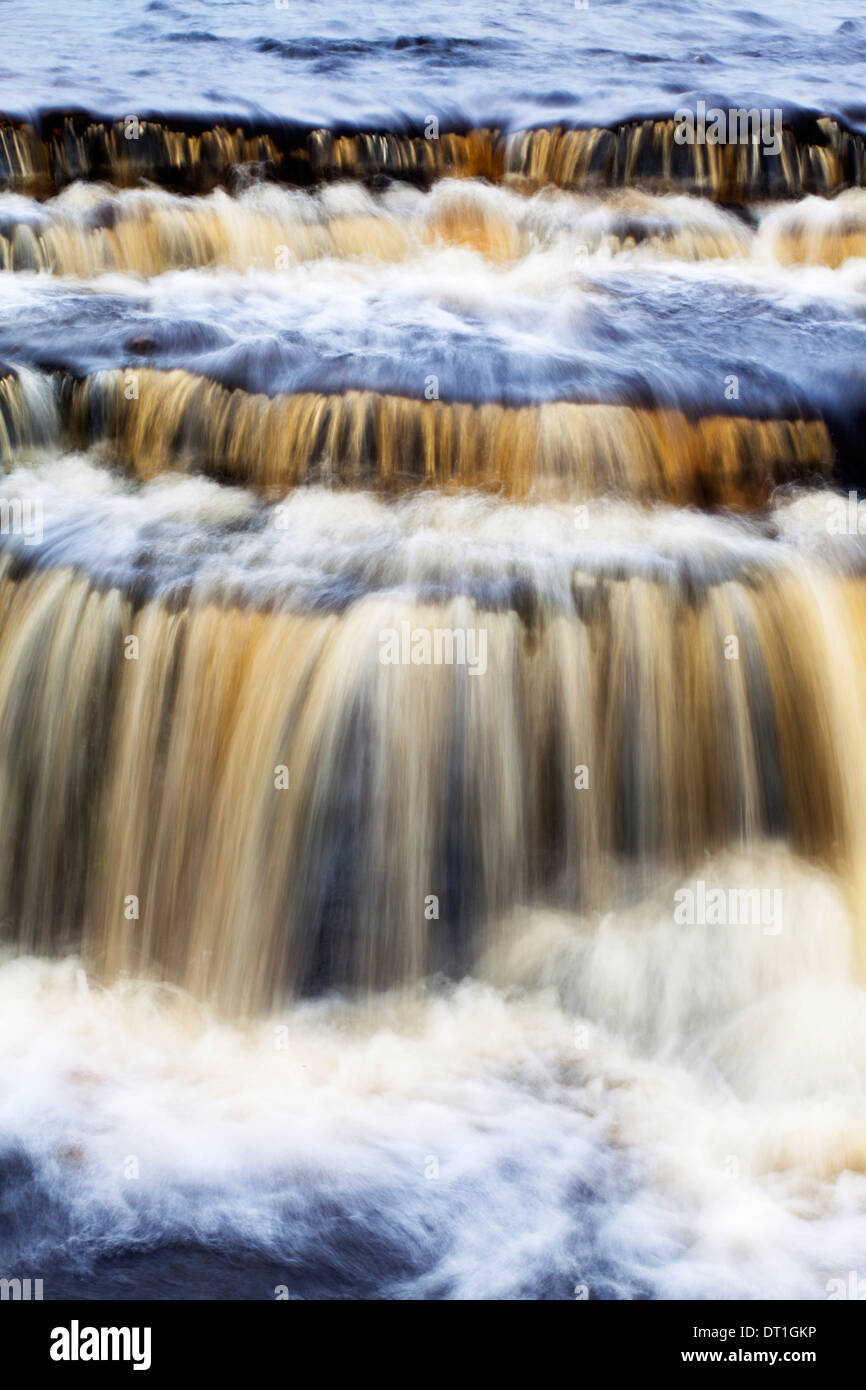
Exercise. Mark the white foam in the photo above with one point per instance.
(635, 1105)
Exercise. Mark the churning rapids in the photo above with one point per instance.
(432, 653)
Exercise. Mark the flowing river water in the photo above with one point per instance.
(432, 652)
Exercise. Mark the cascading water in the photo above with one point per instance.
(432, 663)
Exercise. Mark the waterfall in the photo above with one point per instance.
(433, 659)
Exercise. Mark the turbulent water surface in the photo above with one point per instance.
(431, 574)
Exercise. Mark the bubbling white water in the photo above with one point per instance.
(622, 1104)
(318, 545)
